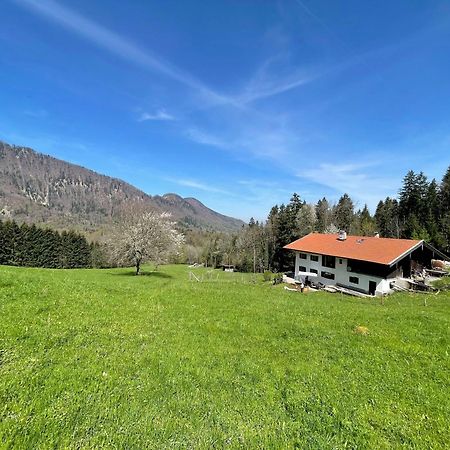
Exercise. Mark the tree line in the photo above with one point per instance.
(421, 211)
(32, 246)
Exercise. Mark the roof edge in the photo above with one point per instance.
(411, 249)
(438, 252)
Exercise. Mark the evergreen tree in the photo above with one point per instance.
(272, 235)
(444, 194)
(444, 203)
(380, 218)
(23, 246)
(344, 213)
(29, 245)
(432, 215)
(386, 218)
(413, 207)
(323, 215)
(367, 224)
(7, 250)
(409, 198)
(283, 229)
(15, 251)
(50, 249)
(3, 244)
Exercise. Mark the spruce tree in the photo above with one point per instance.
(3, 244)
(344, 213)
(444, 203)
(444, 194)
(413, 205)
(386, 218)
(366, 222)
(323, 215)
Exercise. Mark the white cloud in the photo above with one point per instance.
(198, 185)
(161, 114)
(117, 44)
(269, 89)
(205, 138)
(128, 50)
(264, 84)
(364, 181)
(36, 113)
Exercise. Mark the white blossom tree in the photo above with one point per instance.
(152, 237)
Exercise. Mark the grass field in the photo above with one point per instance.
(104, 359)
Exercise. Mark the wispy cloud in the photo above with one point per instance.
(198, 185)
(315, 17)
(249, 138)
(266, 186)
(126, 49)
(161, 114)
(117, 44)
(240, 125)
(363, 180)
(36, 113)
(205, 138)
(310, 13)
(265, 88)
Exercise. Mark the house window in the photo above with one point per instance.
(329, 261)
(302, 255)
(354, 280)
(313, 270)
(302, 269)
(328, 275)
(340, 261)
(314, 258)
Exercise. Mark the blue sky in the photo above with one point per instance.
(238, 103)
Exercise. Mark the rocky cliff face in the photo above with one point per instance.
(42, 189)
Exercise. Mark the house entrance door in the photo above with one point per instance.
(372, 287)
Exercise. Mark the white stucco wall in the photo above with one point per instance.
(341, 275)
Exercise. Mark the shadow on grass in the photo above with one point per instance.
(143, 274)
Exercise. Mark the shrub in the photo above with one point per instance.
(267, 275)
(277, 278)
(442, 284)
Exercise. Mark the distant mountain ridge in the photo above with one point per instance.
(39, 188)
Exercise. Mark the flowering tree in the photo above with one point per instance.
(151, 237)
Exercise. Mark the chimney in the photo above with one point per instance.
(342, 236)
(377, 235)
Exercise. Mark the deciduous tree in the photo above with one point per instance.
(150, 237)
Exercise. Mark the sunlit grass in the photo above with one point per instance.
(104, 359)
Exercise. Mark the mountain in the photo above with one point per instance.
(39, 188)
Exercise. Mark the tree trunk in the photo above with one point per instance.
(138, 266)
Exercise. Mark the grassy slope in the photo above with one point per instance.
(92, 358)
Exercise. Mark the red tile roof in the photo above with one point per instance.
(363, 248)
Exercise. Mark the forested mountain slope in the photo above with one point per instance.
(41, 189)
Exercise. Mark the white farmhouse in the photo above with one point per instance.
(364, 264)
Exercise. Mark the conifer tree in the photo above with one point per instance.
(366, 222)
(444, 207)
(344, 213)
(323, 215)
(3, 244)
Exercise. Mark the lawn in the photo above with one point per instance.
(104, 359)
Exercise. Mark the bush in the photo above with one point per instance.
(443, 284)
(278, 278)
(267, 275)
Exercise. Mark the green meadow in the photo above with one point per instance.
(105, 359)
